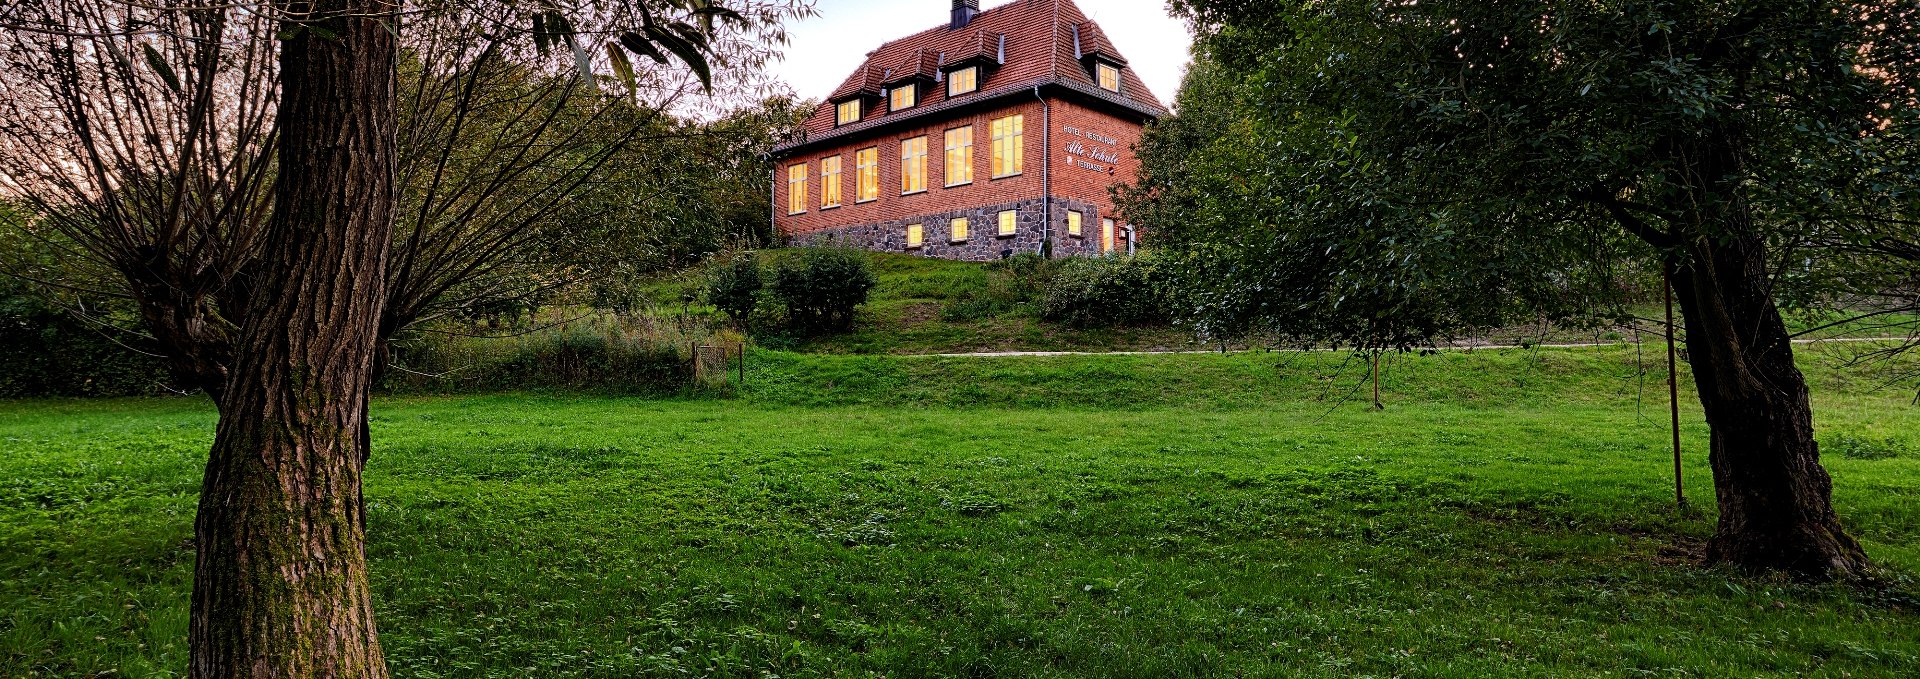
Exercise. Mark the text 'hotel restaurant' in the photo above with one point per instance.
(997, 133)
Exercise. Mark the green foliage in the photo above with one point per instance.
(1015, 285)
(734, 287)
(821, 286)
(1384, 175)
(45, 351)
(1232, 525)
(1111, 291)
(607, 354)
(1855, 448)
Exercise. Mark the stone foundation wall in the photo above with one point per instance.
(983, 244)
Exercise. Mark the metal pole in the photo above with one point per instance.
(1673, 391)
(1376, 382)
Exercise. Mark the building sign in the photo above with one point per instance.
(1096, 158)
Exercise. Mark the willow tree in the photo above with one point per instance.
(240, 168)
(1383, 174)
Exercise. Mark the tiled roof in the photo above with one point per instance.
(1039, 50)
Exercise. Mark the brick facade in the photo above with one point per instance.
(1081, 155)
(1078, 141)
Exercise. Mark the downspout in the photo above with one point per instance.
(1046, 172)
(773, 199)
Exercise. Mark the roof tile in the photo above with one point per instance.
(1039, 49)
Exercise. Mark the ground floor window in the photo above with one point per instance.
(1106, 235)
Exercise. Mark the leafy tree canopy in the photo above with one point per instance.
(1382, 174)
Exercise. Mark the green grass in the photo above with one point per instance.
(904, 316)
(1508, 515)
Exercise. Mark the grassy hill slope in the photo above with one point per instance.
(1508, 514)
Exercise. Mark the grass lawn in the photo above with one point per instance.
(908, 314)
(1509, 514)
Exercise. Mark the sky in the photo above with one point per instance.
(827, 48)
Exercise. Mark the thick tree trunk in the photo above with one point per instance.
(1776, 508)
(280, 586)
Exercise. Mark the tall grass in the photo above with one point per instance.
(643, 353)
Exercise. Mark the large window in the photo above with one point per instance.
(959, 227)
(1109, 77)
(916, 236)
(1073, 224)
(867, 162)
(830, 182)
(963, 81)
(849, 112)
(1106, 235)
(797, 189)
(960, 156)
(905, 96)
(1009, 147)
(913, 165)
(1009, 223)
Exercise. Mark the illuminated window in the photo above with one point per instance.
(830, 182)
(1073, 224)
(963, 81)
(868, 165)
(1106, 235)
(1009, 223)
(916, 235)
(960, 156)
(1109, 77)
(913, 165)
(960, 230)
(797, 189)
(1009, 148)
(850, 111)
(905, 96)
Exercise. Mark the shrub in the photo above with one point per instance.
(821, 286)
(1112, 291)
(46, 352)
(734, 287)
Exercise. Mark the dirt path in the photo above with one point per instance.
(1463, 347)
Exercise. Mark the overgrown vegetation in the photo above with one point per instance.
(1112, 291)
(734, 287)
(1147, 517)
(821, 286)
(600, 353)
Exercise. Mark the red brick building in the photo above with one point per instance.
(998, 133)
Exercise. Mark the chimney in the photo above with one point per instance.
(963, 11)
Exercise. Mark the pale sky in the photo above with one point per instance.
(827, 48)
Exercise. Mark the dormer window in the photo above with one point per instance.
(905, 96)
(849, 112)
(1108, 76)
(963, 81)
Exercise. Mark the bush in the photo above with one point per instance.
(45, 352)
(1112, 291)
(734, 287)
(822, 286)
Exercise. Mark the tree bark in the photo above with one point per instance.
(1775, 499)
(280, 584)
